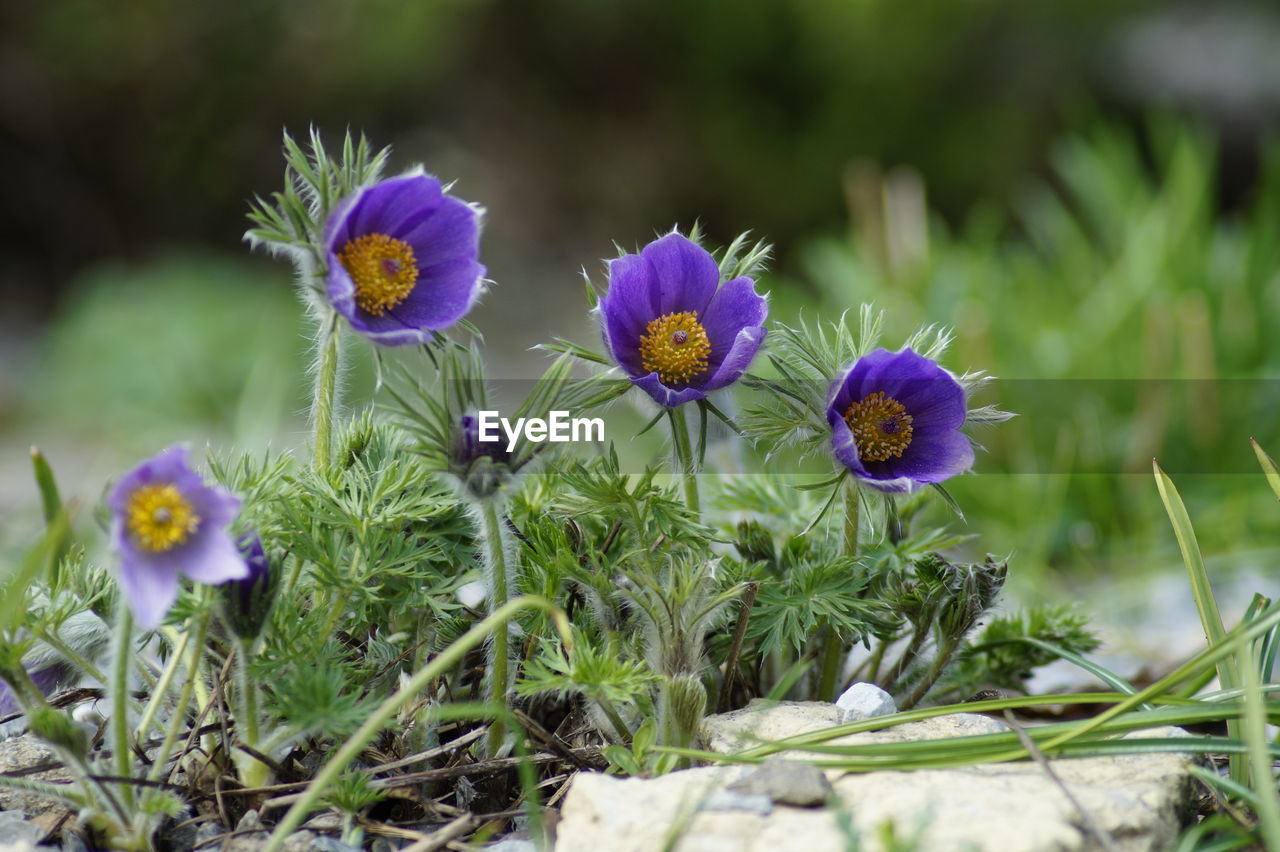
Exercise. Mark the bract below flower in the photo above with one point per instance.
(482, 468)
(895, 421)
(166, 522)
(673, 327)
(246, 603)
(402, 259)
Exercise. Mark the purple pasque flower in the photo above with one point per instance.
(673, 327)
(895, 421)
(402, 259)
(166, 522)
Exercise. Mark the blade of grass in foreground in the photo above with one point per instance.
(1255, 737)
(1269, 468)
(1202, 591)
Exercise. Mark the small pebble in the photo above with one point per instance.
(865, 701)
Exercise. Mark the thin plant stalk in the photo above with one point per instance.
(833, 651)
(253, 771)
(162, 688)
(499, 650)
(120, 701)
(943, 656)
(161, 758)
(615, 718)
(325, 398)
(685, 462)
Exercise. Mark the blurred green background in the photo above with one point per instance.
(1085, 190)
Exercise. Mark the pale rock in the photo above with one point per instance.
(16, 830)
(865, 701)
(1008, 807)
(18, 846)
(733, 800)
(787, 782)
(26, 752)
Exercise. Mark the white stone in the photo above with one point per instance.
(472, 594)
(865, 701)
(1003, 807)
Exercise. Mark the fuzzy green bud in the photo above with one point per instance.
(684, 703)
(754, 542)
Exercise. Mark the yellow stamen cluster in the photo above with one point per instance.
(383, 270)
(675, 346)
(881, 427)
(159, 518)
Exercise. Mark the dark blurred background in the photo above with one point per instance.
(129, 128)
(1085, 190)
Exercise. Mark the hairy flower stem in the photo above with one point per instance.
(253, 772)
(176, 720)
(683, 450)
(833, 650)
(498, 593)
(120, 700)
(179, 645)
(325, 399)
(909, 654)
(615, 718)
(945, 652)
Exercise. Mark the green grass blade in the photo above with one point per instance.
(1225, 785)
(50, 500)
(789, 678)
(14, 585)
(1103, 674)
(1210, 617)
(1255, 736)
(1201, 590)
(1268, 467)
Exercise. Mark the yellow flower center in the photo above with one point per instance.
(881, 427)
(383, 270)
(159, 518)
(675, 346)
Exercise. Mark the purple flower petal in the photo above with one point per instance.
(450, 231)
(684, 273)
(628, 308)
(213, 560)
(735, 362)
(936, 457)
(445, 292)
(150, 589)
(735, 306)
(664, 395)
(394, 206)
